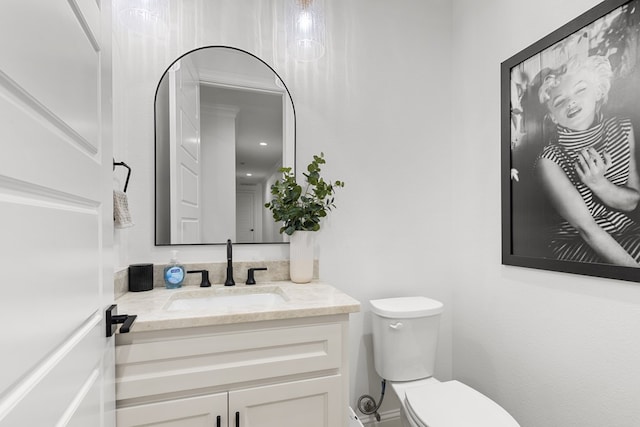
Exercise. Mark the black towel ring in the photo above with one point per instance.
(126, 183)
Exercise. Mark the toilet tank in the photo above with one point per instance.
(405, 337)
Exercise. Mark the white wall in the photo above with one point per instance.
(554, 349)
(377, 104)
(379, 107)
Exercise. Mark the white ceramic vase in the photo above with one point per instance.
(301, 245)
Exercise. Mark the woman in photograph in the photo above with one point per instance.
(588, 167)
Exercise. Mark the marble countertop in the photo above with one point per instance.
(157, 309)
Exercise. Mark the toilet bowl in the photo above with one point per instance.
(405, 335)
(431, 403)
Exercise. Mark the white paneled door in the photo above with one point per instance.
(184, 153)
(245, 217)
(56, 224)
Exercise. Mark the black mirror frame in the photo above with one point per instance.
(155, 124)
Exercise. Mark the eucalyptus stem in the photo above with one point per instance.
(302, 211)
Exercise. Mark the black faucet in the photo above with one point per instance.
(204, 283)
(251, 280)
(229, 281)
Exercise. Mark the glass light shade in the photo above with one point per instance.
(149, 17)
(305, 30)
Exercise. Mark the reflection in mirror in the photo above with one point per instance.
(224, 126)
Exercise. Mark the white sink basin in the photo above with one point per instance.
(237, 298)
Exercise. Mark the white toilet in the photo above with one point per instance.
(405, 337)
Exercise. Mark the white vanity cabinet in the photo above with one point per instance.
(200, 411)
(311, 402)
(275, 373)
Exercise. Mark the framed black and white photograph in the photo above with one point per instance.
(570, 117)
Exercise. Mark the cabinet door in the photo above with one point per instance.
(203, 411)
(311, 403)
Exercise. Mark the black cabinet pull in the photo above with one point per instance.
(218, 421)
(237, 419)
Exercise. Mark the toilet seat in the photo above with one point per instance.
(453, 404)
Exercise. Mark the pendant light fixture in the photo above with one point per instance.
(305, 30)
(147, 17)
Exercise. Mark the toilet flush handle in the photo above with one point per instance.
(397, 325)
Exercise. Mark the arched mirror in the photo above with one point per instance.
(224, 126)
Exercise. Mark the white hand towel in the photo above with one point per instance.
(121, 215)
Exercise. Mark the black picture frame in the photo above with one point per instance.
(526, 213)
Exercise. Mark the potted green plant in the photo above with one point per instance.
(300, 211)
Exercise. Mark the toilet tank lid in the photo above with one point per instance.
(406, 307)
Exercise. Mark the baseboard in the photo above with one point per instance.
(387, 419)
